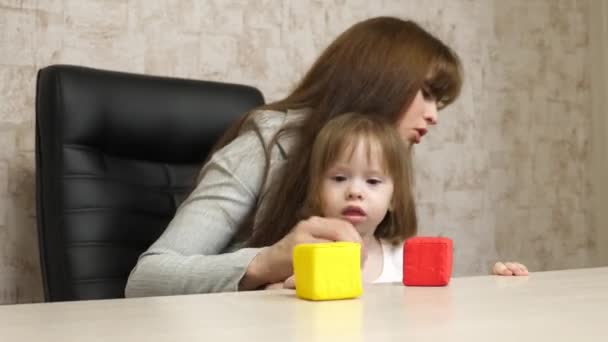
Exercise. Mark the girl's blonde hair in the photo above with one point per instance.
(338, 139)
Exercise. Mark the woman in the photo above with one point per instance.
(238, 227)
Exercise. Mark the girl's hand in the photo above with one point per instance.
(274, 264)
(509, 269)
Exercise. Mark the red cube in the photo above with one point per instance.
(427, 261)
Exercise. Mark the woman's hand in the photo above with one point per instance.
(509, 269)
(289, 283)
(274, 264)
(274, 286)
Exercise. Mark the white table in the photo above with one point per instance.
(567, 305)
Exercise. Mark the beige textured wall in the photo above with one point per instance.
(506, 173)
(599, 143)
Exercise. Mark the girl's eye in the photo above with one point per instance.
(373, 181)
(338, 178)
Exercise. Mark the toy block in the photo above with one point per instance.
(427, 261)
(326, 271)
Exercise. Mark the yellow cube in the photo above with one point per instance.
(326, 271)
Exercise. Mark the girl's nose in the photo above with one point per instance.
(354, 193)
(353, 196)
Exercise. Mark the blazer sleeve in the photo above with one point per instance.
(189, 256)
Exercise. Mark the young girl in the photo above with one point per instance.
(360, 173)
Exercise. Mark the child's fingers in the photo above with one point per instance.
(515, 268)
(511, 266)
(501, 269)
(523, 269)
(497, 269)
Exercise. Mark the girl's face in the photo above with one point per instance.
(414, 122)
(357, 189)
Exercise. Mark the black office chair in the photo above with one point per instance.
(115, 155)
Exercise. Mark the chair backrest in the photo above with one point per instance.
(116, 153)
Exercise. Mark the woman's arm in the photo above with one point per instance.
(188, 257)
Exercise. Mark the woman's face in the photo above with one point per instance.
(414, 122)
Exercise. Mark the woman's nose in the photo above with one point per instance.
(430, 114)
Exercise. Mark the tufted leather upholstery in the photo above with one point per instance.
(115, 155)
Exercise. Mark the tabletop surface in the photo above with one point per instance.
(570, 305)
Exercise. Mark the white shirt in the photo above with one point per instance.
(392, 263)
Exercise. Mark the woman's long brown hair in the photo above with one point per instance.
(376, 66)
